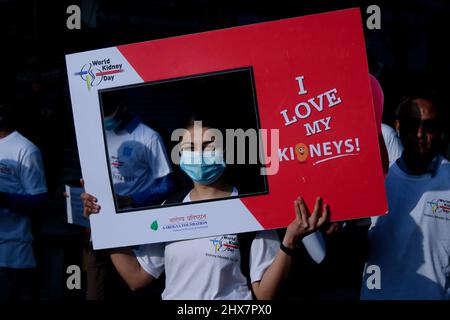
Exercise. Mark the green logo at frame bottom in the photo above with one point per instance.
(154, 225)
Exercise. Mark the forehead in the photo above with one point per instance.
(424, 109)
(198, 134)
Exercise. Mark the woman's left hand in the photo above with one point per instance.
(304, 223)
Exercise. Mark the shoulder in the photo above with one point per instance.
(143, 128)
(177, 197)
(388, 130)
(389, 134)
(444, 167)
(444, 161)
(144, 133)
(24, 145)
(273, 234)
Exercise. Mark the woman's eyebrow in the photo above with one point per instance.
(187, 143)
(207, 142)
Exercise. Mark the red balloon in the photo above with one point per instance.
(378, 100)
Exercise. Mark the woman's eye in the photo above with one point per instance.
(209, 148)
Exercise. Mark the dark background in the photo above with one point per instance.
(409, 53)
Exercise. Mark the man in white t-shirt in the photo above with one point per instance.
(409, 251)
(22, 190)
(140, 168)
(141, 176)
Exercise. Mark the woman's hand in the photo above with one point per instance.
(304, 223)
(90, 205)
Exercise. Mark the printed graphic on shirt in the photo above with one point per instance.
(6, 170)
(119, 170)
(116, 163)
(438, 209)
(224, 247)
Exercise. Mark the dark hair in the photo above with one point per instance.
(112, 99)
(405, 106)
(404, 109)
(207, 120)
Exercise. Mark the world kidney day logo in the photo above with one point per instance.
(98, 71)
(322, 151)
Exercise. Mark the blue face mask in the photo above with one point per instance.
(111, 122)
(204, 170)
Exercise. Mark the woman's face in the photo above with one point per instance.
(200, 139)
(201, 155)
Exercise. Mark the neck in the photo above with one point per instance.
(4, 133)
(418, 165)
(217, 189)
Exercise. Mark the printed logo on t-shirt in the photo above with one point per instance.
(118, 168)
(4, 169)
(225, 244)
(439, 208)
(224, 247)
(115, 162)
(127, 151)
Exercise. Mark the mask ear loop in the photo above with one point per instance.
(224, 155)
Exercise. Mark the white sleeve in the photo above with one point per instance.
(158, 160)
(393, 144)
(264, 248)
(315, 245)
(151, 258)
(32, 173)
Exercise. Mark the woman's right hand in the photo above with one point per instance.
(90, 205)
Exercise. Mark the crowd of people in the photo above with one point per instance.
(410, 245)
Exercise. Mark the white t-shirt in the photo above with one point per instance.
(208, 268)
(137, 159)
(393, 144)
(411, 244)
(21, 172)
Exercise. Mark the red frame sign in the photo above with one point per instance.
(312, 84)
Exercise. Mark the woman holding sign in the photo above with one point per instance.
(211, 268)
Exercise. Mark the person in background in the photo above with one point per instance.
(22, 191)
(141, 176)
(410, 246)
(392, 141)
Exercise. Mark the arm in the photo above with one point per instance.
(123, 259)
(157, 160)
(129, 268)
(32, 180)
(160, 166)
(278, 271)
(22, 202)
(267, 287)
(156, 193)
